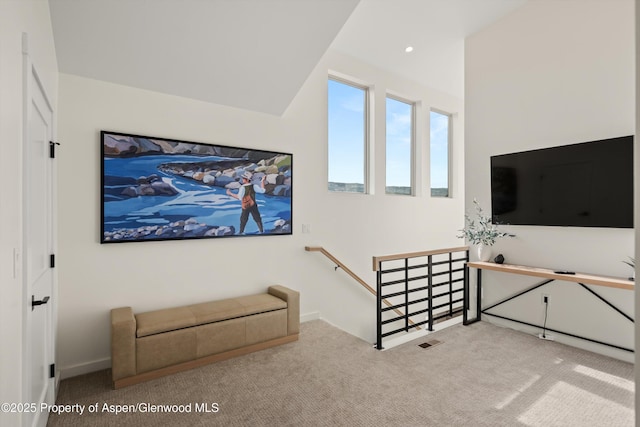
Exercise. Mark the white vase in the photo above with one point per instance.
(484, 252)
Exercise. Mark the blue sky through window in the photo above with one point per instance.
(439, 136)
(347, 123)
(399, 143)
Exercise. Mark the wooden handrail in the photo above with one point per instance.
(378, 259)
(354, 276)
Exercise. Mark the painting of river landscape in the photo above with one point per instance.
(163, 189)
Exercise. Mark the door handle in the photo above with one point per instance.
(35, 302)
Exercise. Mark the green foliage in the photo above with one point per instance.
(480, 229)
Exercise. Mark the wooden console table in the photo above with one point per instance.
(549, 275)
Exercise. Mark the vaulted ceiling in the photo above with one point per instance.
(256, 54)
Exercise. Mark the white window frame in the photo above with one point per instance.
(449, 153)
(368, 105)
(412, 161)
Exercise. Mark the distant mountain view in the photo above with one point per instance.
(398, 190)
(348, 187)
(439, 192)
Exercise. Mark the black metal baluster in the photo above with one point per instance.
(465, 285)
(450, 284)
(430, 290)
(379, 298)
(406, 294)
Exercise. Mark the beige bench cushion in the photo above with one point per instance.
(170, 319)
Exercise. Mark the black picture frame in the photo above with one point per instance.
(155, 189)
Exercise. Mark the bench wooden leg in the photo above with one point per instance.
(151, 375)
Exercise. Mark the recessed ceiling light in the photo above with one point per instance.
(408, 49)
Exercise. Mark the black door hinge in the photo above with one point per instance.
(52, 149)
(52, 370)
(52, 260)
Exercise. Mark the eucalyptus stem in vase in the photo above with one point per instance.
(480, 231)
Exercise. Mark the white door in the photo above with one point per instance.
(38, 247)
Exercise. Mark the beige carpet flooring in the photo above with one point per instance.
(480, 375)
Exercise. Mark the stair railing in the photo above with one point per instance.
(411, 279)
(357, 278)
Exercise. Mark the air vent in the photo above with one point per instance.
(430, 344)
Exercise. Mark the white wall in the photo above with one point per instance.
(95, 278)
(554, 73)
(17, 17)
(637, 187)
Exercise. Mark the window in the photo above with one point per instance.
(347, 131)
(440, 136)
(399, 143)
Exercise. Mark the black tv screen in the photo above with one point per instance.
(580, 185)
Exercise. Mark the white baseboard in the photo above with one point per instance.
(84, 368)
(394, 342)
(315, 315)
(615, 353)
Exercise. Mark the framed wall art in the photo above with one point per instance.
(164, 189)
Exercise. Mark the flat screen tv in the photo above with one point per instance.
(580, 185)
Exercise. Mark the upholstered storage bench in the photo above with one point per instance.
(148, 345)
